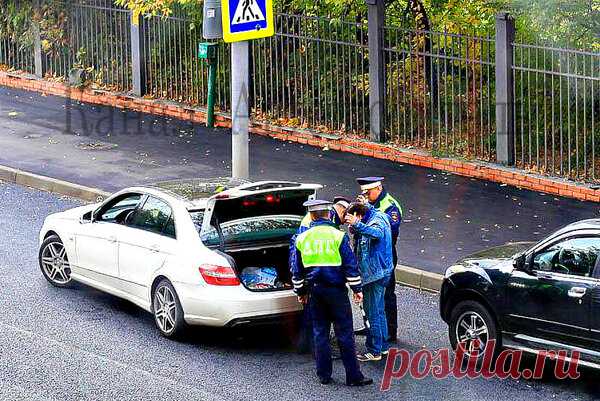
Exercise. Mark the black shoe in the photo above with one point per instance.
(363, 382)
(326, 381)
(361, 332)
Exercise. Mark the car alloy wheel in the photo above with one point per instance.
(55, 263)
(165, 309)
(472, 333)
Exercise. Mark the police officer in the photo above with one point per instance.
(373, 191)
(336, 215)
(324, 264)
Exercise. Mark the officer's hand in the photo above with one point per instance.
(351, 219)
(303, 299)
(357, 297)
(362, 199)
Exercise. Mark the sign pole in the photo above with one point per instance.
(240, 110)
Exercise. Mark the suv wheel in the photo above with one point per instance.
(471, 328)
(54, 262)
(168, 313)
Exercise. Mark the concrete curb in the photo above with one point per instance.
(419, 279)
(50, 184)
(405, 275)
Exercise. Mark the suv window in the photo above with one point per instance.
(118, 209)
(575, 256)
(154, 216)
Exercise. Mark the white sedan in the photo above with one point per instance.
(183, 250)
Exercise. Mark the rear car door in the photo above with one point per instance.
(552, 302)
(96, 242)
(145, 241)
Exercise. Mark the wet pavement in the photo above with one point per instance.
(82, 344)
(445, 216)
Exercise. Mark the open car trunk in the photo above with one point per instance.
(255, 267)
(252, 226)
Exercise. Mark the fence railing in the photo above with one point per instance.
(557, 110)
(440, 88)
(439, 91)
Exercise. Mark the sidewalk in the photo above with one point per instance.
(445, 216)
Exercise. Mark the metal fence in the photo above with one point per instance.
(557, 110)
(439, 91)
(440, 87)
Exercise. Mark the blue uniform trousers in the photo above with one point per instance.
(391, 302)
(331, 305)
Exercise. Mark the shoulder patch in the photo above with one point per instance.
(395, 215)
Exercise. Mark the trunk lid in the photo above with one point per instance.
(265, 198)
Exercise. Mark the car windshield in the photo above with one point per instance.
(248, 230)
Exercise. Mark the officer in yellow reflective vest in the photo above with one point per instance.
(323, 265)
(336, 215)
(373, 191)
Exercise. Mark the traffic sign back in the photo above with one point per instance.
(247, 19)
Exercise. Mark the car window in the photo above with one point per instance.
(155, 216)
(118, 209)
(265, 228)
(575, 256)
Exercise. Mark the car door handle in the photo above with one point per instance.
(112, 239)
(155, 248)
(577, 292)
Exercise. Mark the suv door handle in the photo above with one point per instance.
(155, 248)
(112, 239)
(577, 292)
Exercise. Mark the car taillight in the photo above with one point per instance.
(219, 275)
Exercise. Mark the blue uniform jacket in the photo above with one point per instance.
(304, 278)
(394, 214)
(373, 245)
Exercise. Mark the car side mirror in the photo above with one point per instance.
(87, 218)
(520, 262)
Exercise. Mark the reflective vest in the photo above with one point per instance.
(388, 201)
(306, 220)
(320, 246)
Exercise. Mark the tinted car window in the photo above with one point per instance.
(576, 256)
(254, 229)
(119, 208)
(154, 216)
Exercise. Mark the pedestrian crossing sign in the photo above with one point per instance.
(247, 19)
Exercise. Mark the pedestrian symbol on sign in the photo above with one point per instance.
(247, 11)
(247, 19)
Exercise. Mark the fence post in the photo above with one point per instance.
(505, 128)
(37, 43)
(376, 70)
(138, 59)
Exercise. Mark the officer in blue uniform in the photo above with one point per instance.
(373, 191)
(336, 215)
(323, 265)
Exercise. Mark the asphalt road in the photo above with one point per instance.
(445, 216)
(66, 344)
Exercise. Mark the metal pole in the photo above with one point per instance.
(37, 43)
(376, 70)
(210, 112)
(138, 60)
(239, 110)
(505, 132)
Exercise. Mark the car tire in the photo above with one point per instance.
(472, 324)
(54, 262)
(167, 310)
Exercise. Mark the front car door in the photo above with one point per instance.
(96, 242)
(551, 302)
(145, 241)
